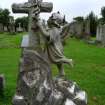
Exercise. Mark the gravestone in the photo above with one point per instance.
(35, 85)
(2, 84)
(76, 28)
(11, 26)
(86, 30)
(80, 29)
(19, 28)
(87, 27)
(103, 36)
(5, 29)
(1, 27)
(100, 36)
(99, 33)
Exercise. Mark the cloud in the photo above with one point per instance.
(71, 8)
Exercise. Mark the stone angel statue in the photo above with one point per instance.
(53, 37)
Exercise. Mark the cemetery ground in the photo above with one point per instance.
(88, 71)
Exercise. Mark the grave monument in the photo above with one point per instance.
(100, 36)
(99, 33)
(35, 85)
(11, 25)
(19, 28)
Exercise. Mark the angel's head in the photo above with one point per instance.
(56, 20)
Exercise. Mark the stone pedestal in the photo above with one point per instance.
(36, 85)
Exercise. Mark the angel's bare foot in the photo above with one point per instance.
(71, 62)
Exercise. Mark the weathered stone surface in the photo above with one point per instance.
(36, 86)
(35, 81)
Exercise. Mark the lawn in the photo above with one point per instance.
(88, 72)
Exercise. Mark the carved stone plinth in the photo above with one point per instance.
(36, 86)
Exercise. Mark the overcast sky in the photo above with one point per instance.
(71, 8)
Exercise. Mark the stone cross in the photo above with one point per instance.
(28, 8)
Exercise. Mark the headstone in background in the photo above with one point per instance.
(72, 28)
(103, 36)
(79, 29)
(11, 26)
(100, 36)
(2, 84)
(86, 30)
(19, 29)
(1, 27)
(5, 29)
(99, 33)
(76, 28)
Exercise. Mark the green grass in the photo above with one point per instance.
(9, 59)
(10, 41)
(88, 72)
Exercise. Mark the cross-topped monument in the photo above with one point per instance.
(29, 8)
(35, 85)
(34, 70)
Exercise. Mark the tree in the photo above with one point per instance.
(4, 16)
(23, 21)
(103, 12)
(79, 19)
(1, 15)
(101, 21)
(92, 18)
